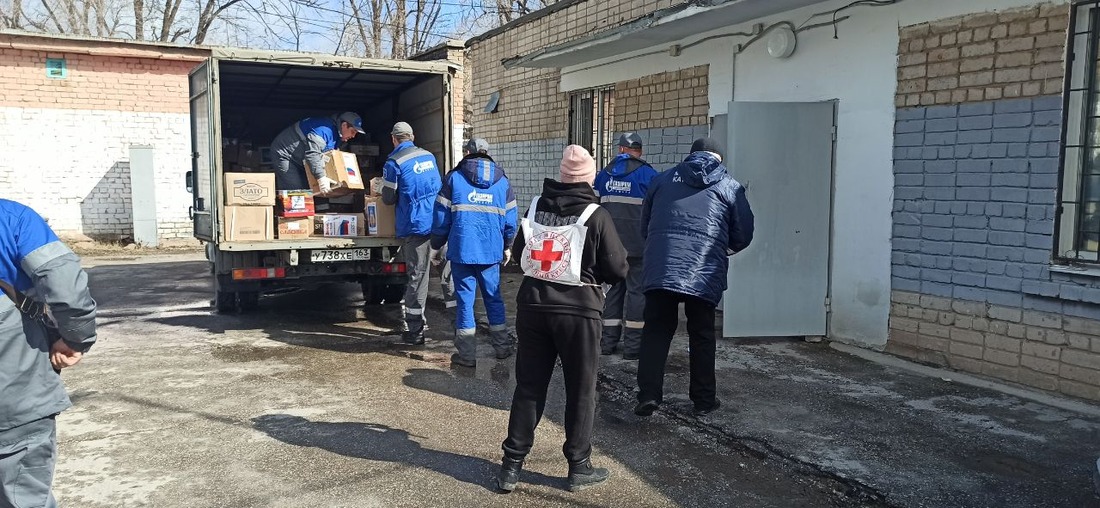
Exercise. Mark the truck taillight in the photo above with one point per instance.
(393, 268)
(259, 273)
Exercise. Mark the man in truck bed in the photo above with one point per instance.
(305, 141)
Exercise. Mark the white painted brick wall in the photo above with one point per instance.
(73, 166)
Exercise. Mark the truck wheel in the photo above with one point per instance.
(249, 300)
(394, 293)
(372, 293)
(225, 301)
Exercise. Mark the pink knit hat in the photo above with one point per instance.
(577, 165)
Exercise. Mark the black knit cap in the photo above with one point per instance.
(706, 145)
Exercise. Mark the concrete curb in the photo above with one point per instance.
(969, 380)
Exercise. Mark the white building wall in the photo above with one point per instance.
(73, 167)
(858, 69)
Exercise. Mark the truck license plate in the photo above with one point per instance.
(329, 256)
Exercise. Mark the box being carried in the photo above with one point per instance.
(294, 228)
(248, 224)
(381, 218)
(250, 189)
(376, 184)
(295, 203)
(340, 167)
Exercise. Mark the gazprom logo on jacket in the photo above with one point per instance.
(423, 166)
(618, 186)
(480, 197)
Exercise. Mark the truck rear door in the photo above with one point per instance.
(204, 141)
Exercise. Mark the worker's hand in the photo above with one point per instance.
(435, 257)
(326, 184)
(507, 257)
(62, 356)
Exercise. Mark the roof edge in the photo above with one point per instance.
(523, 20)
(35, 41)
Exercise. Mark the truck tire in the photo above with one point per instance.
(225, 301)
(249, 300)
(373, 293)
(394, 293)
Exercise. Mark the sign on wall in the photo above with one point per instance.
(56, 68)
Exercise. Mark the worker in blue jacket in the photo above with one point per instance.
(39, 335)
(475, 216)
(304, 142)
(411, 181)
(695, 217)
(622, 186)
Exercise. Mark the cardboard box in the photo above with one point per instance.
(294, 228)
(295, 203)
(250, 189)
(342, 168)
(338, 225)
(248, 224)
(381, 218)
(349, 203)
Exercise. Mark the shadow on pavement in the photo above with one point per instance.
(376, 442)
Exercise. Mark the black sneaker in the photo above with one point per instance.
(630, 356)
(508, 477)
(706, 410)
(413, 338)
(646, 407)
(583, 475)
(503, 353)
(462, 362)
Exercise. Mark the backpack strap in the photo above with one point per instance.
(531, 211)
(588, 211)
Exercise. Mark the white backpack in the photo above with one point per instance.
(553, 253)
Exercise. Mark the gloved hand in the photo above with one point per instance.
(507, 257)
(326, 184)
(434, 256)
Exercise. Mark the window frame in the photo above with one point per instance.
(599, 135)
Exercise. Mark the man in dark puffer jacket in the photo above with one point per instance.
(695, 216)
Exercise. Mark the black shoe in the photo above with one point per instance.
(583, 475)
(630, 356)
(508, 476)
(413, 338)
(706, 410)
(503, 353)
(607, 352)
(646, 407)
(462, 362)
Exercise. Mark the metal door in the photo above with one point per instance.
(783, 154)
(203, 153)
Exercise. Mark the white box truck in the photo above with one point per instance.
(255, 94)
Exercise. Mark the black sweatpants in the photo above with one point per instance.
(661, 319)
(543, 337)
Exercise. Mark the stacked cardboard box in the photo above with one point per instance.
(295, 209)
(381, 218)
(249, 198)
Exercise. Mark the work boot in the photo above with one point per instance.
(582, 475)
(413, 338)
(502, 343)
(508, 476)
(646, 407)
(462, 362)
(706, 410)
(630, 355)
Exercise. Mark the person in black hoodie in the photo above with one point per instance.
(562, 319)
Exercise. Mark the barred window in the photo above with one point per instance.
(1077, 228)
(591, 114)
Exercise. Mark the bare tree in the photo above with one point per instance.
(425, 19)
(399, 30)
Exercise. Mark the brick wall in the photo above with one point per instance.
(530, 127)
(975, 191)
(987, 56)
(68, 139)
(94, 82)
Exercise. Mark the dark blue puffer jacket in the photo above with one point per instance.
(695, 216)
